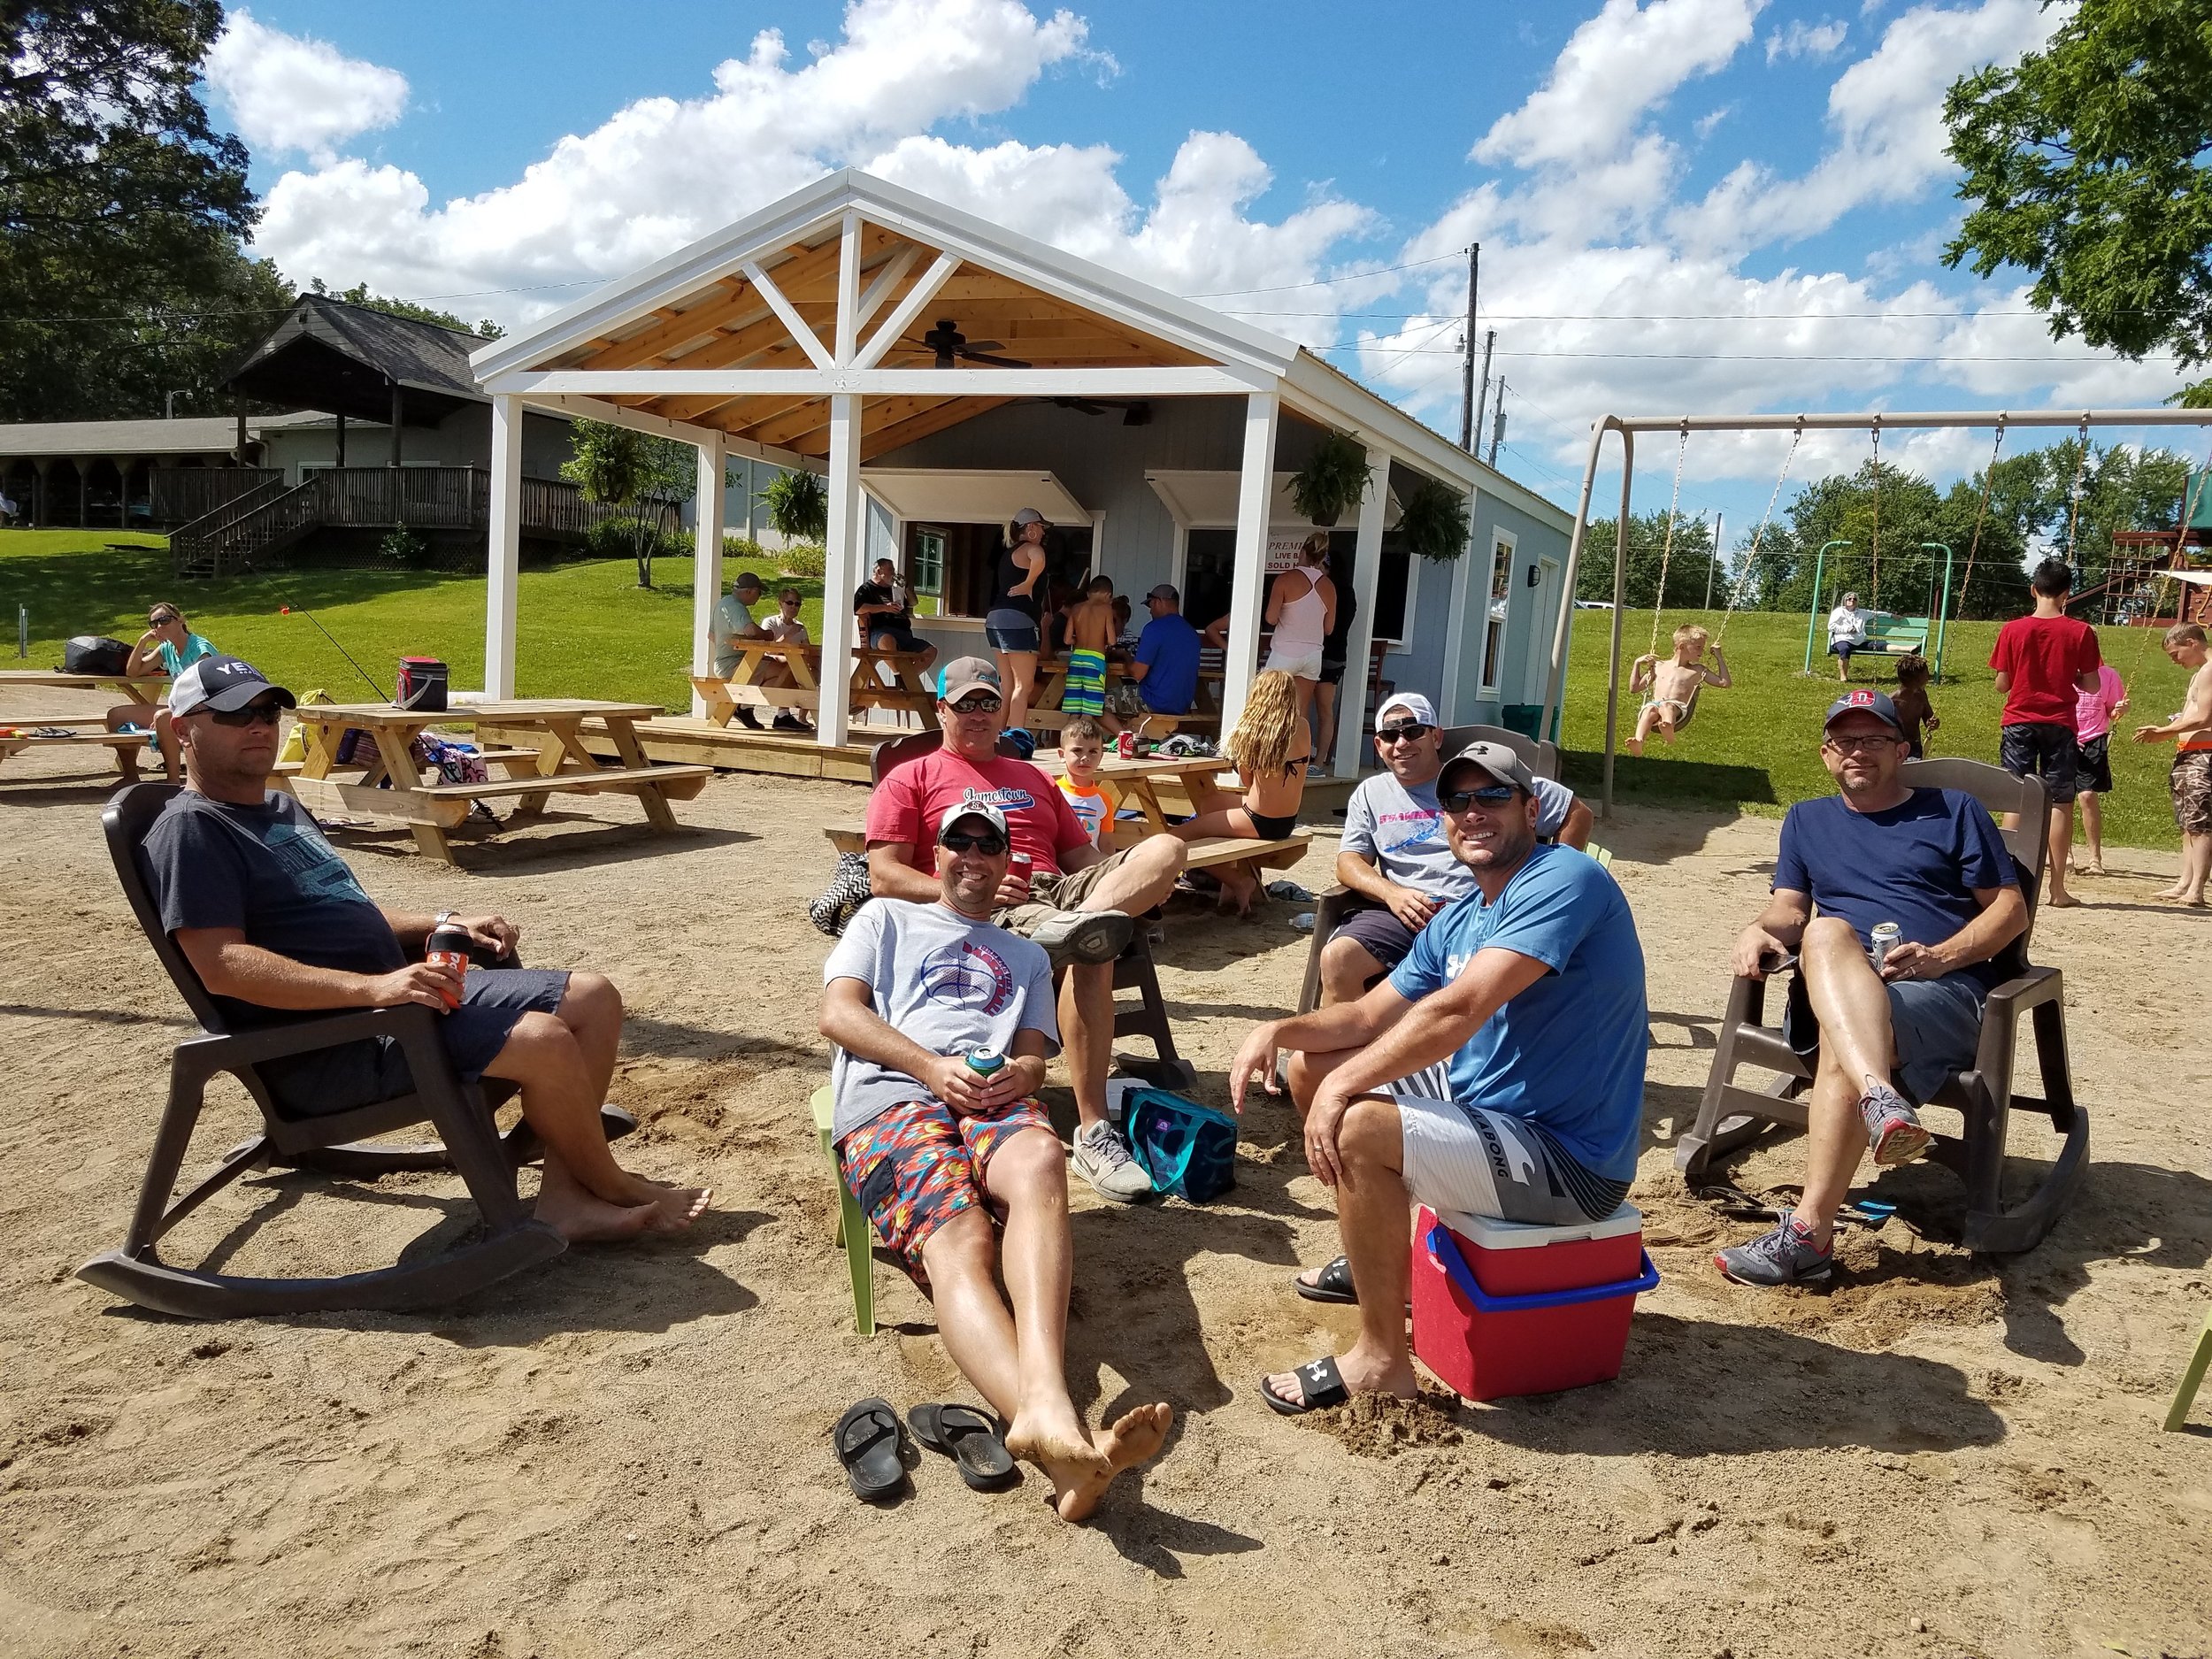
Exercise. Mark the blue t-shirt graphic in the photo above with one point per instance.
(1567, 1052)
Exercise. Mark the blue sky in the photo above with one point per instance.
(1710, 203)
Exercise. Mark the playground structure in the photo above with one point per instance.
(2146, 564)
(2196, 584)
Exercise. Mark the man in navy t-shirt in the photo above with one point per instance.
(1498, 1072)
(1928, 860)
(1166, 664)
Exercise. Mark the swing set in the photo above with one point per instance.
(1797, 426)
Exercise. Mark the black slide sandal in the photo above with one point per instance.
(1320, 1386)
(1333, 1283)
(972, 1439)
(867, 1441)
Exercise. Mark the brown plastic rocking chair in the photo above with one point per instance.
(333, 1144)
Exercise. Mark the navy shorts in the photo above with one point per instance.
(1379, 933)
(896, 640)
(2037, 749)
(1011, 631)
(2093, 766)
(493, 1002)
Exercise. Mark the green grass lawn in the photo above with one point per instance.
(1755, 745)
(588, 630)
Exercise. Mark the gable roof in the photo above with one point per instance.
(343, 358)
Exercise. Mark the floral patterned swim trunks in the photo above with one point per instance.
(918, 1165)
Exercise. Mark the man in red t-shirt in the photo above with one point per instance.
(2042, 661)
(1075, 901)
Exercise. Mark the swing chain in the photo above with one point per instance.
(1989, 482)
(2073, 499)
(1666, 550)
(1874, 602)
(1751, 560)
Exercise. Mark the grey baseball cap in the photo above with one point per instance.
(965, 674)
(1029, 515)
(1495, 759)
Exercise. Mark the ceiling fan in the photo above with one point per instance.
(951, 345)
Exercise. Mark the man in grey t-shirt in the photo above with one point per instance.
(1393, 851)
(931, 1147)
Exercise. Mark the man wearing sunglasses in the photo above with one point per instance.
(932, 1147)
(1876, 851)
(1499, 1071)
(273, 921)
(1073, 900)
(1395, 854)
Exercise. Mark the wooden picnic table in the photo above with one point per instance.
(909, 692)
(1046, 714)
(83, 730)
(545, 756)
(1138, 780)
(133, 687)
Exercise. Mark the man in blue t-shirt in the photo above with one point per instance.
(1929, 861)
(1498, 1072)
(1166, 664)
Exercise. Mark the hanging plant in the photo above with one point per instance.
(1333, 481)
(1434, 522)
(798, 506)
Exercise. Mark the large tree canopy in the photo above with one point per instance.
(121, 211)
(2086, 164)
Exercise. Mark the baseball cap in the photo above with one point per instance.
(983, 809)
(1863, 701)
(222, 683)
(965, 674)
(1413, 703)
(1496, 759)
(1166, 590)
(746, 579)
(1029, 515)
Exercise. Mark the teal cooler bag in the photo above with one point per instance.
(1188, 1149)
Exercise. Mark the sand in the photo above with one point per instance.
(626, 1451)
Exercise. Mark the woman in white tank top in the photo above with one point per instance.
(1301, 610)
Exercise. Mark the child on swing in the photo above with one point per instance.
(1674, 684)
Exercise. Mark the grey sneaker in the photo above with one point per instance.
(1785, 1255)
(1891, 1126)
(1103, 1158)
(1084, 935)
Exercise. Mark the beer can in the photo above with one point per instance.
(1883, 938)
(985, 1061)
(449, 947)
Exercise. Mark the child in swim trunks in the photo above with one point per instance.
(1090, 636)
(1082, 747)
(1674, 684)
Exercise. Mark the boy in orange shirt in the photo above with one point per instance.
(1093, 800)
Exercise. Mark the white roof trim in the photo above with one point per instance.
(971, 495)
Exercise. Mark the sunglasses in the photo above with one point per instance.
(1489, 795)
(977, 706)
(252, 714)
(1412, 731)
(961, 842)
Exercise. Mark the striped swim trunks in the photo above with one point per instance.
(1485, 1163)
(1085, 692)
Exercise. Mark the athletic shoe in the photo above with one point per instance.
(1891, 1126)
(1785, 1255)
(1084, 935)
(788, 723)
(745, 718)
(1102, 1158)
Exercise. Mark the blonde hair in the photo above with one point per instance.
(1260, 743)
(1315, 549)
(1688, 632)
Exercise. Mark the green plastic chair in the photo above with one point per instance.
(852, 1222)
(2191, 1376)
(1603, 855)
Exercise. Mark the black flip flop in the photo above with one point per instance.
(1333, 1283)
(867, 1440)
(1320, 1386)
(972, 1439)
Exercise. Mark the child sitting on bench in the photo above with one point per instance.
(1674, 686)
(1269, 747)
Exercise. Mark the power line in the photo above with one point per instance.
(1323, 282)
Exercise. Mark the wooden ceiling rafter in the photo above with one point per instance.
(947, 415)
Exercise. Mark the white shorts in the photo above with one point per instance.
(1305, 665)
(1478, 1162)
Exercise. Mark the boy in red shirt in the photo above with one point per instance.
(2042, 661)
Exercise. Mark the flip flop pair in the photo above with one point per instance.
(869, 1440)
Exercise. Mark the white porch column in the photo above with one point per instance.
(706, 564)
(1255, 485)
(503, 540)
(1352, 747)
(847, 528)
(1453, 706)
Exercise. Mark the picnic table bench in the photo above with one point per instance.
(535, 742)
(83, 730)
(907, 690)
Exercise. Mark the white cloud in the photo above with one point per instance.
(287, 93)
(1800, 39)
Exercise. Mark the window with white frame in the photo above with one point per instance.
(1501, 597)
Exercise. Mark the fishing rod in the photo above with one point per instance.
(286, 611)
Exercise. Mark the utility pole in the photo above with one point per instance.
(1497, 428)
(1467, 417)
(1482, 397)
(1712, 563)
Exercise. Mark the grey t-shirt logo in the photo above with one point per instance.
(968, 974)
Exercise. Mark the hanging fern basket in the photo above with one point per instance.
(1332, 482)
(1434, 523)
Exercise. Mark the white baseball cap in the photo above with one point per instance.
(1412, 703)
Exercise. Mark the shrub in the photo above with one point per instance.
(741, 546)
(803, 559)
(402, 546)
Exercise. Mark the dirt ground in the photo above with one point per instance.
(626, 1450)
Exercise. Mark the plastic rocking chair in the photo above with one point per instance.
(2191, 1376)
(852, 1222)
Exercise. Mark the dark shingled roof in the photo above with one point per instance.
(345, 359)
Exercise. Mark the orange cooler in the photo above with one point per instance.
(1504, 1308)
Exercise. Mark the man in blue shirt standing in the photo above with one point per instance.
(1931, 862)
(1499, 1071)
(1166, 664)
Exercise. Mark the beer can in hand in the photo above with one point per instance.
(1883, 938)
(985, 1063)
(449, 947)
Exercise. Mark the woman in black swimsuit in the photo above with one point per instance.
(1011, 623)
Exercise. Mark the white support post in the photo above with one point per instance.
(848, 524)
(846, 336)
(1351, 697)
(1453, 705)
(706, 564)
(1256, 486)
(503, 548)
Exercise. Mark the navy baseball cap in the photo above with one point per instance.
(222, 683)
(1863, 701)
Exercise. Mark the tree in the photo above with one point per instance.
(639, 475)
(1687, 562)
(2086, 165)
(121, 210)
(359, 295)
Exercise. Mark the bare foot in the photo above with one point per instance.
(2089, 869)
(581, 1218)
(1078, 1470)
(1635, 745)
(2171, 892)
(1134, 1438)
(676, 1207)
(2062, 902)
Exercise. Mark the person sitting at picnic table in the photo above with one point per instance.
(734, 621)
(274, 923)
(786, 629)
(1929, 860)
(167, 647)
(1073, 900)
(1165, 666)
(1498, 1072)
(1271, 747)
(1847, 632)
(1395, 852)
(934, 1149)
(884, 606)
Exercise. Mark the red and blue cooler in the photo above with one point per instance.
(1507, 1307)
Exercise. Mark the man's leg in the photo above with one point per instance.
(1086, 1033)
(1145, 877)
(1346, 966)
